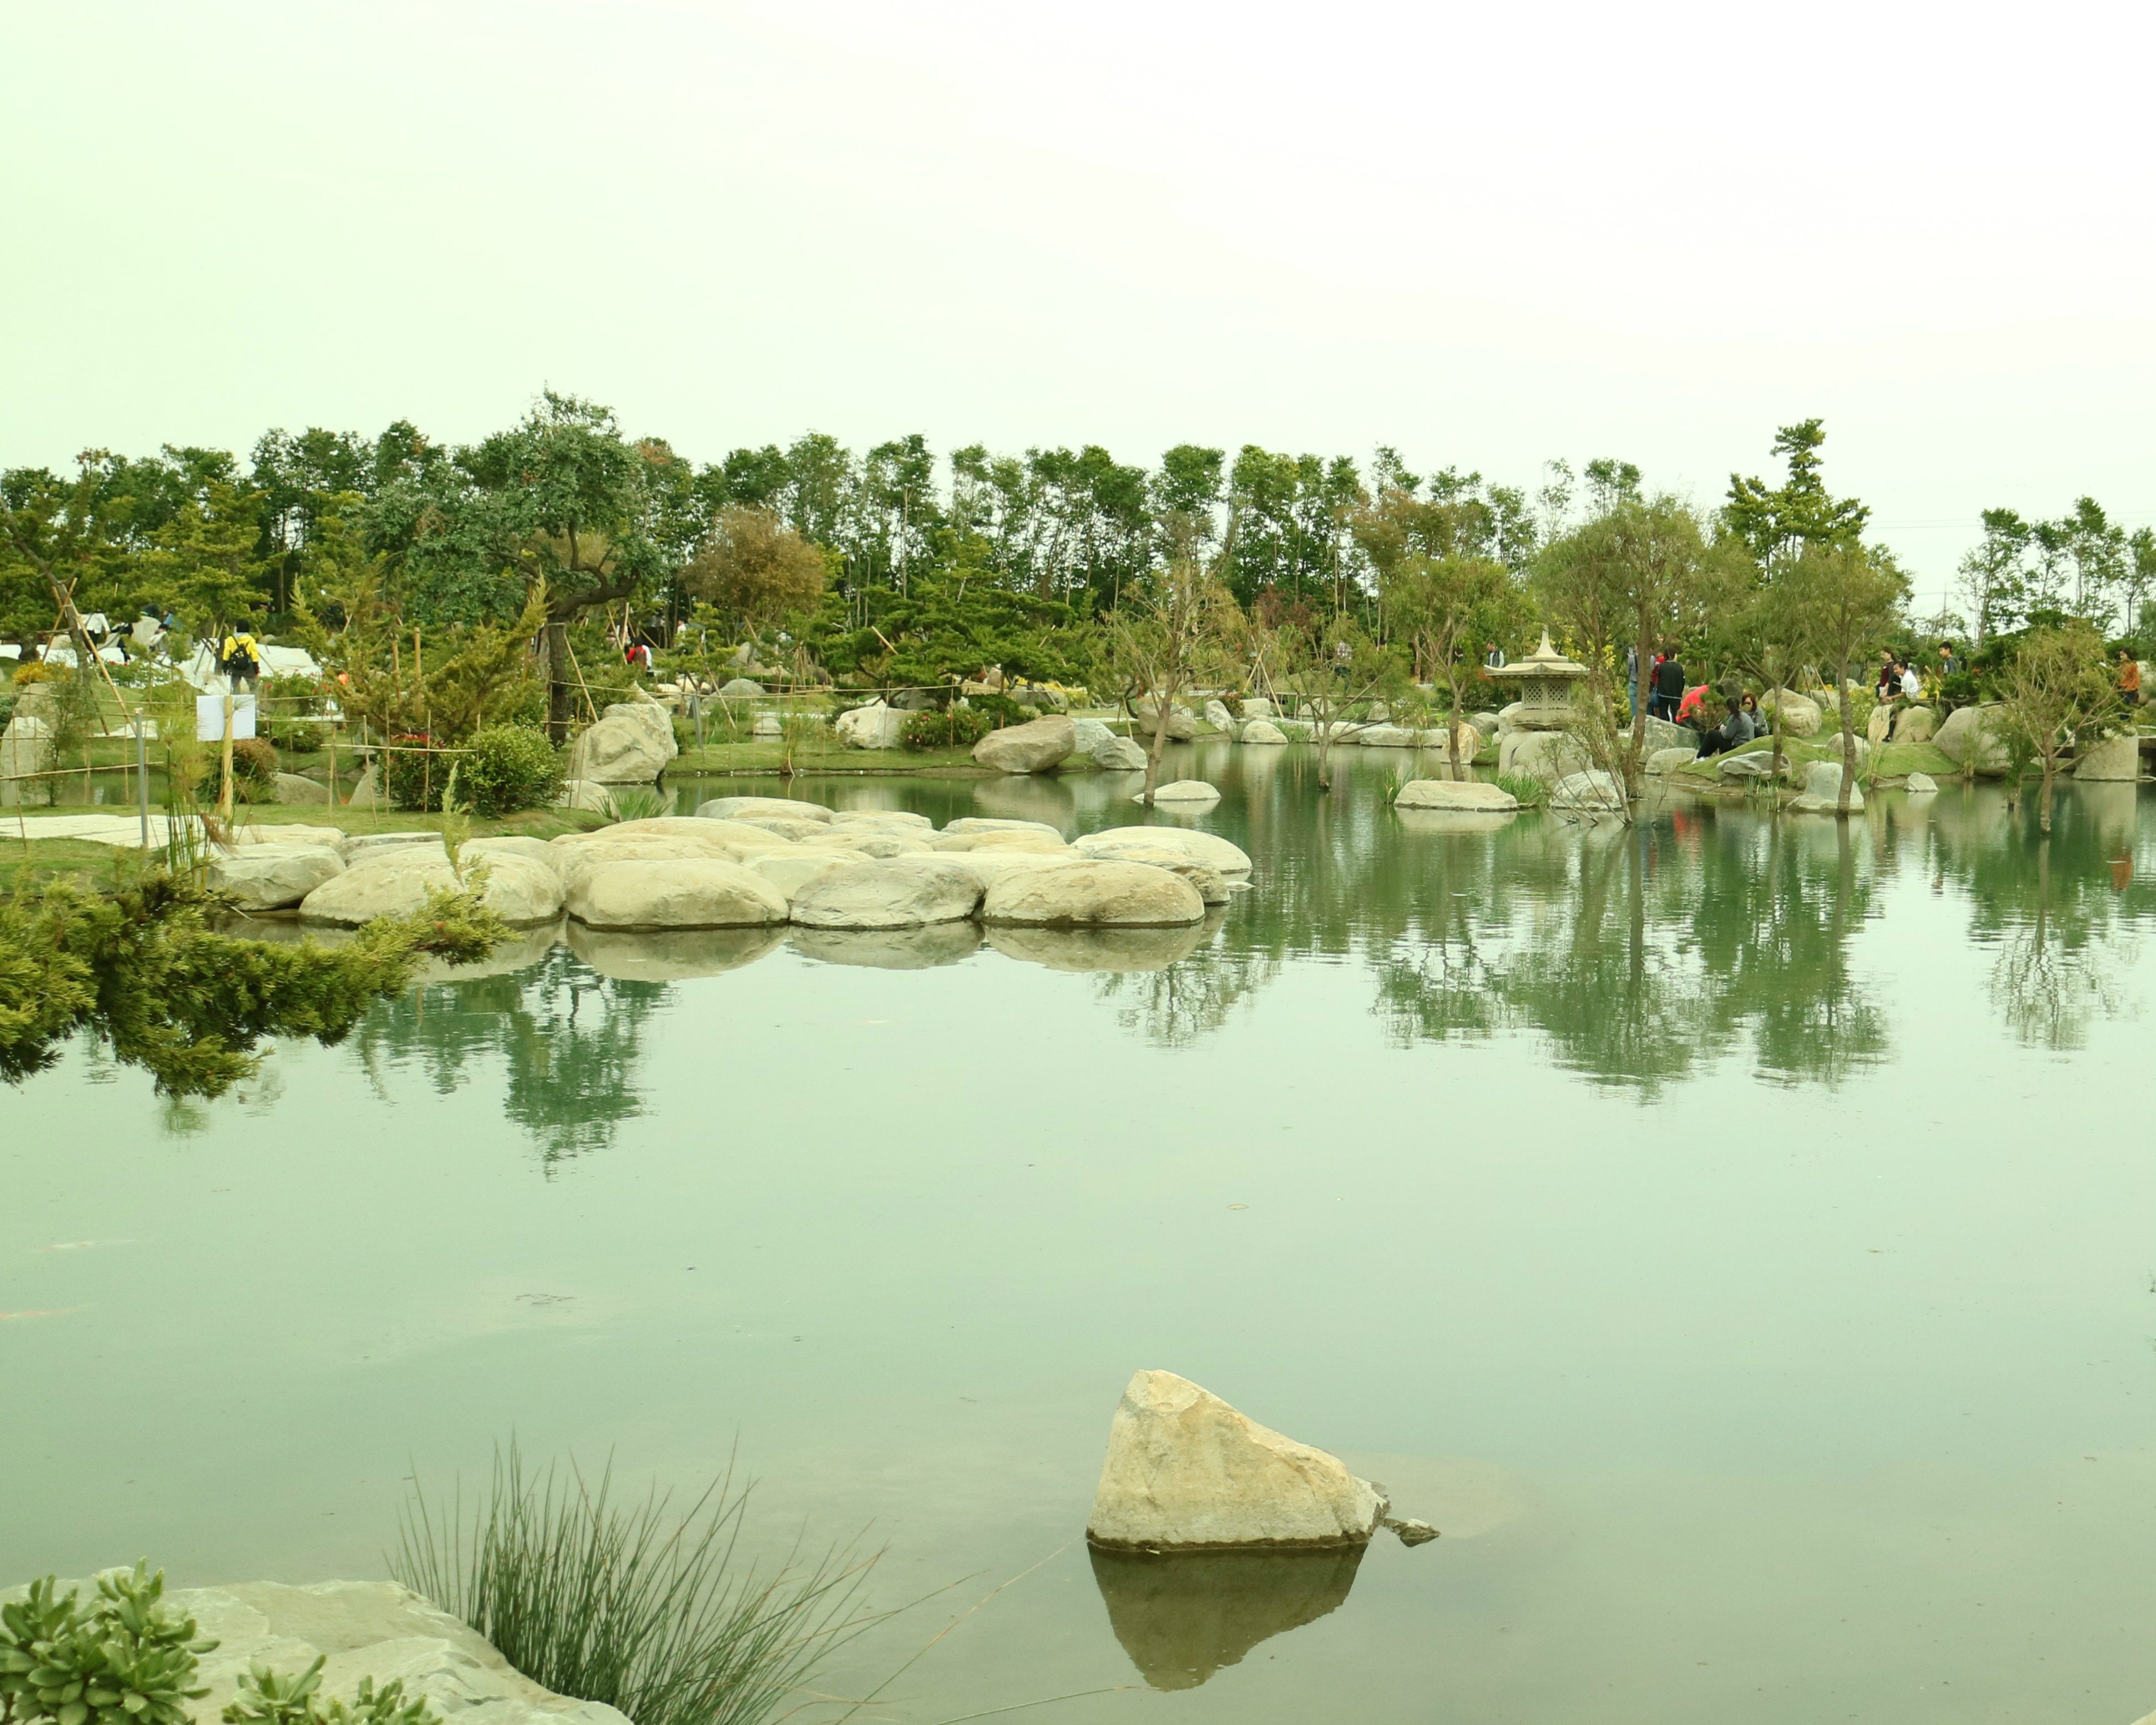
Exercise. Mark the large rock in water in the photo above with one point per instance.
(1590, 790)
(1263, 732)
(397, 882)
(1231, 859)
(1672, 760)
(1186, 1471)
(741, 807)
(899, 892)
(1094, 895)
(1183, 790)
(368, 1628)
(1119, 754)
(1034, 746)
(1822, 791)
(1218, 716)
(1547, 755)
(272, 877)
(2116, 758)
(1970, 739)
(691, 892)
(1470, 795)
(873, 727)
(631, 744)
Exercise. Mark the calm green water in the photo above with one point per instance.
(1741, 1239)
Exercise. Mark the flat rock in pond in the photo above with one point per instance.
(397, 884)
(792, 869)
(1206, 847)
(1262, 732)
(1185, 1470)
(1031, 748)
(1472, 795)
(988, 823)
(743, 807)
(537, 850)
(897, 892)
(1922, 785)
(1183, 790)
(693, 892)
(1095, 894)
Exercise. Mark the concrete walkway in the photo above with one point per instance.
(125, 830)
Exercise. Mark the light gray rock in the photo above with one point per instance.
(26, 747)
(1016, 839)
(1486, 723)
(537, 850)
(740, 808)
(586, 794)
(1547, 755)
(631, 744)
(1672, 760)
(272, 877)
(896, 820)
(1120, 754)
(1822, 791)
(679, 892)
(1094, 894)
(1880, 726)
(1256, 706)
(1795, 715)
(1922, 785)
(898, 892)
(398, 883)
(967, 823)
(766, 727)
(1182, 727)
(1467, 795)
(1089, 735)
(1186, 1471)
(1971, 738)
(1183, 790)
(873, 727)
(989, 866)
(1218, 716)
(361, 846)
(1212, 887)
(577, 861)
(1751, 763)
(791, 870)
(1594, 791)
(1262, 732)
(1204, 847)
(1390, 736)
(293, 832)
(1661, 734)
(1916, 724)
(373, 1629)
(872, 841)
(741, 689)
(291, 787)
(2116, 758)
(785, 826)
(1034, 746)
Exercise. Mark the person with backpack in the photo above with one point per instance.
(241, 660)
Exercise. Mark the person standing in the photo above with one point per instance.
(1950, 666)
(1632, 675)
(1669, 687)
(2129, 679)
(1912, 686)
(242, 660)
(1493, 656)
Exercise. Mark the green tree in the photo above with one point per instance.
(756, 569)
(1778, 521)
(2056, 686)
(1181, 626)
(1853, 594)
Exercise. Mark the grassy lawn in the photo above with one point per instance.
(1892, 760)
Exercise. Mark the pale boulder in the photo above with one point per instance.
(292, 833)
(966, 824)
(1922, 785)
(1547, 755)
(577, 861)
(1662, 734)
(2116, 758)
(690, 892)
(868, 841)
(1183, 790)
(1673, 760)
(1263, 732)
(1596, 792)
(873, 727)
(898, 820)
(272, 877)
(1916, 724)
(899, 892)
(1880, 726)
(583, 794)
(26, 746)
(1794, 715)
(631, 744)
(537, 850)
(1229, 859)
(1971, 738)
(1094, 895)
(1822, 791)
(1218, 716)
(1467, 795)
(780, 826)
(791, 870)
(694, 828)
(291, 787)
(1182, 727)
(1212, 887)
(398, 883)
(1186, 1471)
(1256, 706)
(364, 847)
(1119, 754)
(1034, 746)
(1024, 839)
(743, 807)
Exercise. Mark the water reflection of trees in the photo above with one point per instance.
(2060, 912)
(568, 1039)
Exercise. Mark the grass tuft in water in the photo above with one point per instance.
(1526, 789)
(658, 1614)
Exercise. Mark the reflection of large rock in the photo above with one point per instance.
(272, 877)
(693, 892)
(631, 744)
(1094, 894)
(1183, 1469)
(1044, 797)
(1822, 791)
(1182, 1617)
(1455, 793)
(1206, 847)
(1031, 748)
(1450, 823)
(670, 955)
(897, 892)
(1101, 949)
(921, 948)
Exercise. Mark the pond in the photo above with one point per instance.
(1736, 1236)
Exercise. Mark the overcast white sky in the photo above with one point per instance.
(1488, 235)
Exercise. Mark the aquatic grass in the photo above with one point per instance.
(638, 802)
(1528, 791)
(658, 1614)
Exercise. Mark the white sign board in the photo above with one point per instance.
(209, 717)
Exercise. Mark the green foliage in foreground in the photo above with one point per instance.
(123, 1658)
(651, 1612)
(266, 1698)
(138, 966)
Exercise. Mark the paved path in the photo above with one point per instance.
(114, 828)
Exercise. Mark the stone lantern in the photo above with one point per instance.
(1546, 678)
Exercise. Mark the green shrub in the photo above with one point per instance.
(508, 767)
(955, 728)
(254, 771)
(125, 1658)
(413, 779)
(1001, 709)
